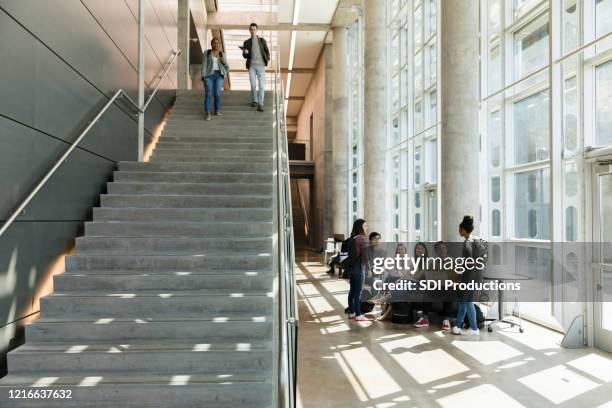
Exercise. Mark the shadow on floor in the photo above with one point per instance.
(343, 363)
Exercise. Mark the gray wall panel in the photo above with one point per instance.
(61, 60)
(67, 28)
(68, 195)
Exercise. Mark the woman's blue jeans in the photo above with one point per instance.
(356, 285)
(213, 85)
(469, 309)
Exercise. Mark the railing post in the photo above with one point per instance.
(141, 72)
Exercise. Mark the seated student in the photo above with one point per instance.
(420, 251)
(384, 298)
(447, 307)
(373, 251)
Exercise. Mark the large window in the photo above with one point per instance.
(526, 136)
(530, 117)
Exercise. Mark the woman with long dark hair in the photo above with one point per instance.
(214, 70)
(356, 260)
(466, 298)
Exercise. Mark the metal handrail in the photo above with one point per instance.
(289, 319)
(119, 94)
(176, 54)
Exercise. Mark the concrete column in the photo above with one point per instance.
(459, 141)
(182, 67)
(340, 132)
(375, 116)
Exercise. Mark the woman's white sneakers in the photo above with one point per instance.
(469, 332)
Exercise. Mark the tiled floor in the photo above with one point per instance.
(350, 364)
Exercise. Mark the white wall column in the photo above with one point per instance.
(375, 115)
(460, 137)
(340, 132)
(182, 66)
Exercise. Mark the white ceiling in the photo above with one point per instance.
(308, 44)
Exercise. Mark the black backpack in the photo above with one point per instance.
(366, 305)
(350, 247)
(401, 312)
(480, 319)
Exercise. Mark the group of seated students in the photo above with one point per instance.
(357, 256)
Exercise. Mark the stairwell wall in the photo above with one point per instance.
(318, 103)
(60, 62)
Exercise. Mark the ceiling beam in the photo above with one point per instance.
(240, 20)
(346, 13)
(211, 5)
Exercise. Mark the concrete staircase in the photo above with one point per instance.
(167, 302)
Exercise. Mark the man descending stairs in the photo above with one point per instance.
(167, 302)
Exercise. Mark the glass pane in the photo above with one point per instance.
(433, 108)
(417, 174)
(433, 24)
(531, 128)
(418, 27)
(571, 223)
(495, 223)
(417, 200)
(494, 15)
(531, 47)
(570, 18)
(531, 204)
(495, 137)
(570, 114)
(432, 65)
(433, 216)
(571, 180)
(418, 116)
(431, 161)
(417, 221)
(603, 22)
(495, 189)
(495, 69)
(605, 215)
(603, 103)
(418, 74)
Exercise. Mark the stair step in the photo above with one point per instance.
(178, 389)
(191, 177)
(146, 281)
(211, 304)
(156, 357)
(211, 157)
(170, 246)
(182, 214)
(166, 188)
(238, 260)
(215, 147)
(177, 229)
(206, 330)
(183, 201)
(231, 167)
(178, 143)
(212, 139)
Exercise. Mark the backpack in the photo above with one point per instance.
(480, 249)
(366, 305)
(401, 312)
(480, 319)
(351, 249)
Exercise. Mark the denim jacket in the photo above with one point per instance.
(207, 64)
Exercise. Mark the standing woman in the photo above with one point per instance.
(357, 260)
(466, 297)
(214, 69)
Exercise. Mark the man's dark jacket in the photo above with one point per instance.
(263, 46)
